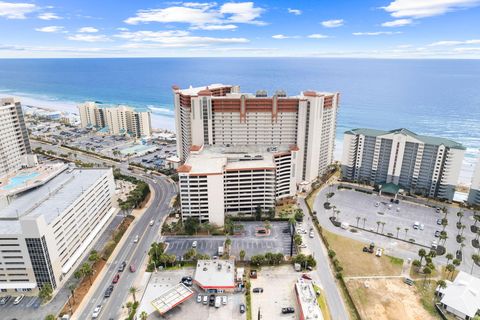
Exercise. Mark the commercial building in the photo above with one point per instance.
(215, 275)
(242, 150)
(172, 297)
(115, 119)
(462, 296)
(15, 150)
(423, 165)
(307, 300)
(46, 230)
(474, 194)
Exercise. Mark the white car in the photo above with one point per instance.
(389, 206)
(303, 246)
(199, 298)
(96, 312)
(311, 234)
(422, 226)
(18, 299)
(377, 204)
(152, 222)
(194, 244)
(136, 239)
(398, 209)
(224, 300)
(416, 225)
(379, 252)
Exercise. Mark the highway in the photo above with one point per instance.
(317, 248)
(130, 252)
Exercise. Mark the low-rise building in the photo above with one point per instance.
(215, 275)
(47, 229)
(423, 165)
(172, 297)
(462, 296)
(474, 194)
(307, 300)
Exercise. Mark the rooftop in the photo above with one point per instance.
(48, 200)
(172, 297)
(193, 91)
(463, 294)
(215, 274)
(425, 139)
(307, 299)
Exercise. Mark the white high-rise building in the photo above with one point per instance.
(474, 194)
(47, 230)
(15, 150)
(245, 150)
(116, 119)
(424, 165)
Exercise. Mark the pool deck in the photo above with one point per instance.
(39, 175)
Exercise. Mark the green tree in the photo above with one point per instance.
(133, 291)
(191, 225)
(242, 254)
(258, 213)
(422, 253)
(258, 259)
(451, 269)
(93, 256)
(460, 216)
(190, 254)
(143, 315)
(299, 215)
(72, 287)
(398, 230)
(442, 284)
(311, 261)
(45, 292)
(358, 220)
(426, 271)
(417, 264)
(476, 260)
(449, 257)
(50, 317)
(444, 223)
(271, 213)
(87, 271)
(297, 239)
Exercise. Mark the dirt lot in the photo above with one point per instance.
(387, 299)
(358, 263)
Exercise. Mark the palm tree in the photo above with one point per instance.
(143, 315)
(441, 284)
(456, 262)
(364, 220)
(422, 253)
(445, 210)
(72, 287)
(451, 269)
(406, 231)
(449, 257)
(398, 230)
(443, 236)
(444, 223)
(426, 271)
(476, 260)
(50, 317)
(378, 225)
(358, 219)
(94, 256)
(242, 254)
(87, 271)
(460, 216)
(463, 228)
(132, 291)
(417, 264)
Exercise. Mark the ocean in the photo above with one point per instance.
(433, 97)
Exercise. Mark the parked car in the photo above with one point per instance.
(188, 281)
(96, 312)
(205, 299)
(115, 279)
(408, 281)
(242, 308)
(194, 244)
(132, 268)
(416, 225)
(302, 246)
(288, 310)
(437, 234)
(439, 222)
(459, 255)
(199, 298)
(257, 290)
(122, 266)
(379, 252)
(422, 226)
(211, 300)
(224, 300)
(365, 249)
(5, 300)
(18, 299)
(311, 234)
(218, 301)
(377, 204)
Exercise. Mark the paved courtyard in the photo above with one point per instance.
(276, 241)
(365, 210)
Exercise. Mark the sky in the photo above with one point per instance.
(267, 28)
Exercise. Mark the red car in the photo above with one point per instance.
(115, 279)
(132, 268)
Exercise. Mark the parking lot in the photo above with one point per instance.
(278, 292)
(380, 216)
(190, 309)
(277, 241)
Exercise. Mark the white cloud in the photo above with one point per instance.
(397, 23)
(454, 43)
(467, 50)
(333, 23)
(377, 33)
(317, 36)
(202, 15)
(215, 27)
(172, 38)
(89, 37)
(296, 12)
(12, 10)
(426, 8)
(282, 36)
(122, 29)
(87, 30)
(50, 29)
(48, 16)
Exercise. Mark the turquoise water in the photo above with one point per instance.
(19, 180)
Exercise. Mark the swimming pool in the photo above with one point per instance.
(19, 179)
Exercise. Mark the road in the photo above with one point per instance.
(317, 248)
(133, 253)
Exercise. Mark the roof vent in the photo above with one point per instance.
(261, 93)
(280, 93)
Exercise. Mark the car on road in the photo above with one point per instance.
(437, 210)
(422, 226)
(389, 206)
(18, 299)
(437, 234)
(257, 290)
(218, 301)
(311, 234)
(5, 300)
(439, 222)
(398, 209)
(152, 222)
(96, 312)
(416, 225)
(132, 268)
(108, 293)
(302, 246)
(211, 300)
(224, 300)
(122, 266)
(242, 308)
(379, 252)
(377, 204)
(199, 298)
(288, 310)
(136, 239)
(194, 244)
(115, 279)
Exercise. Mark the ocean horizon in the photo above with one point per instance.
(431, 97)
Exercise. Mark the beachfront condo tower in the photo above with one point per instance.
(109, 119)
(244, 151)
(418, 164)
(15, 150)
(474, 194)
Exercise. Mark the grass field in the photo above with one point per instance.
(322, 302)
(358, 263)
